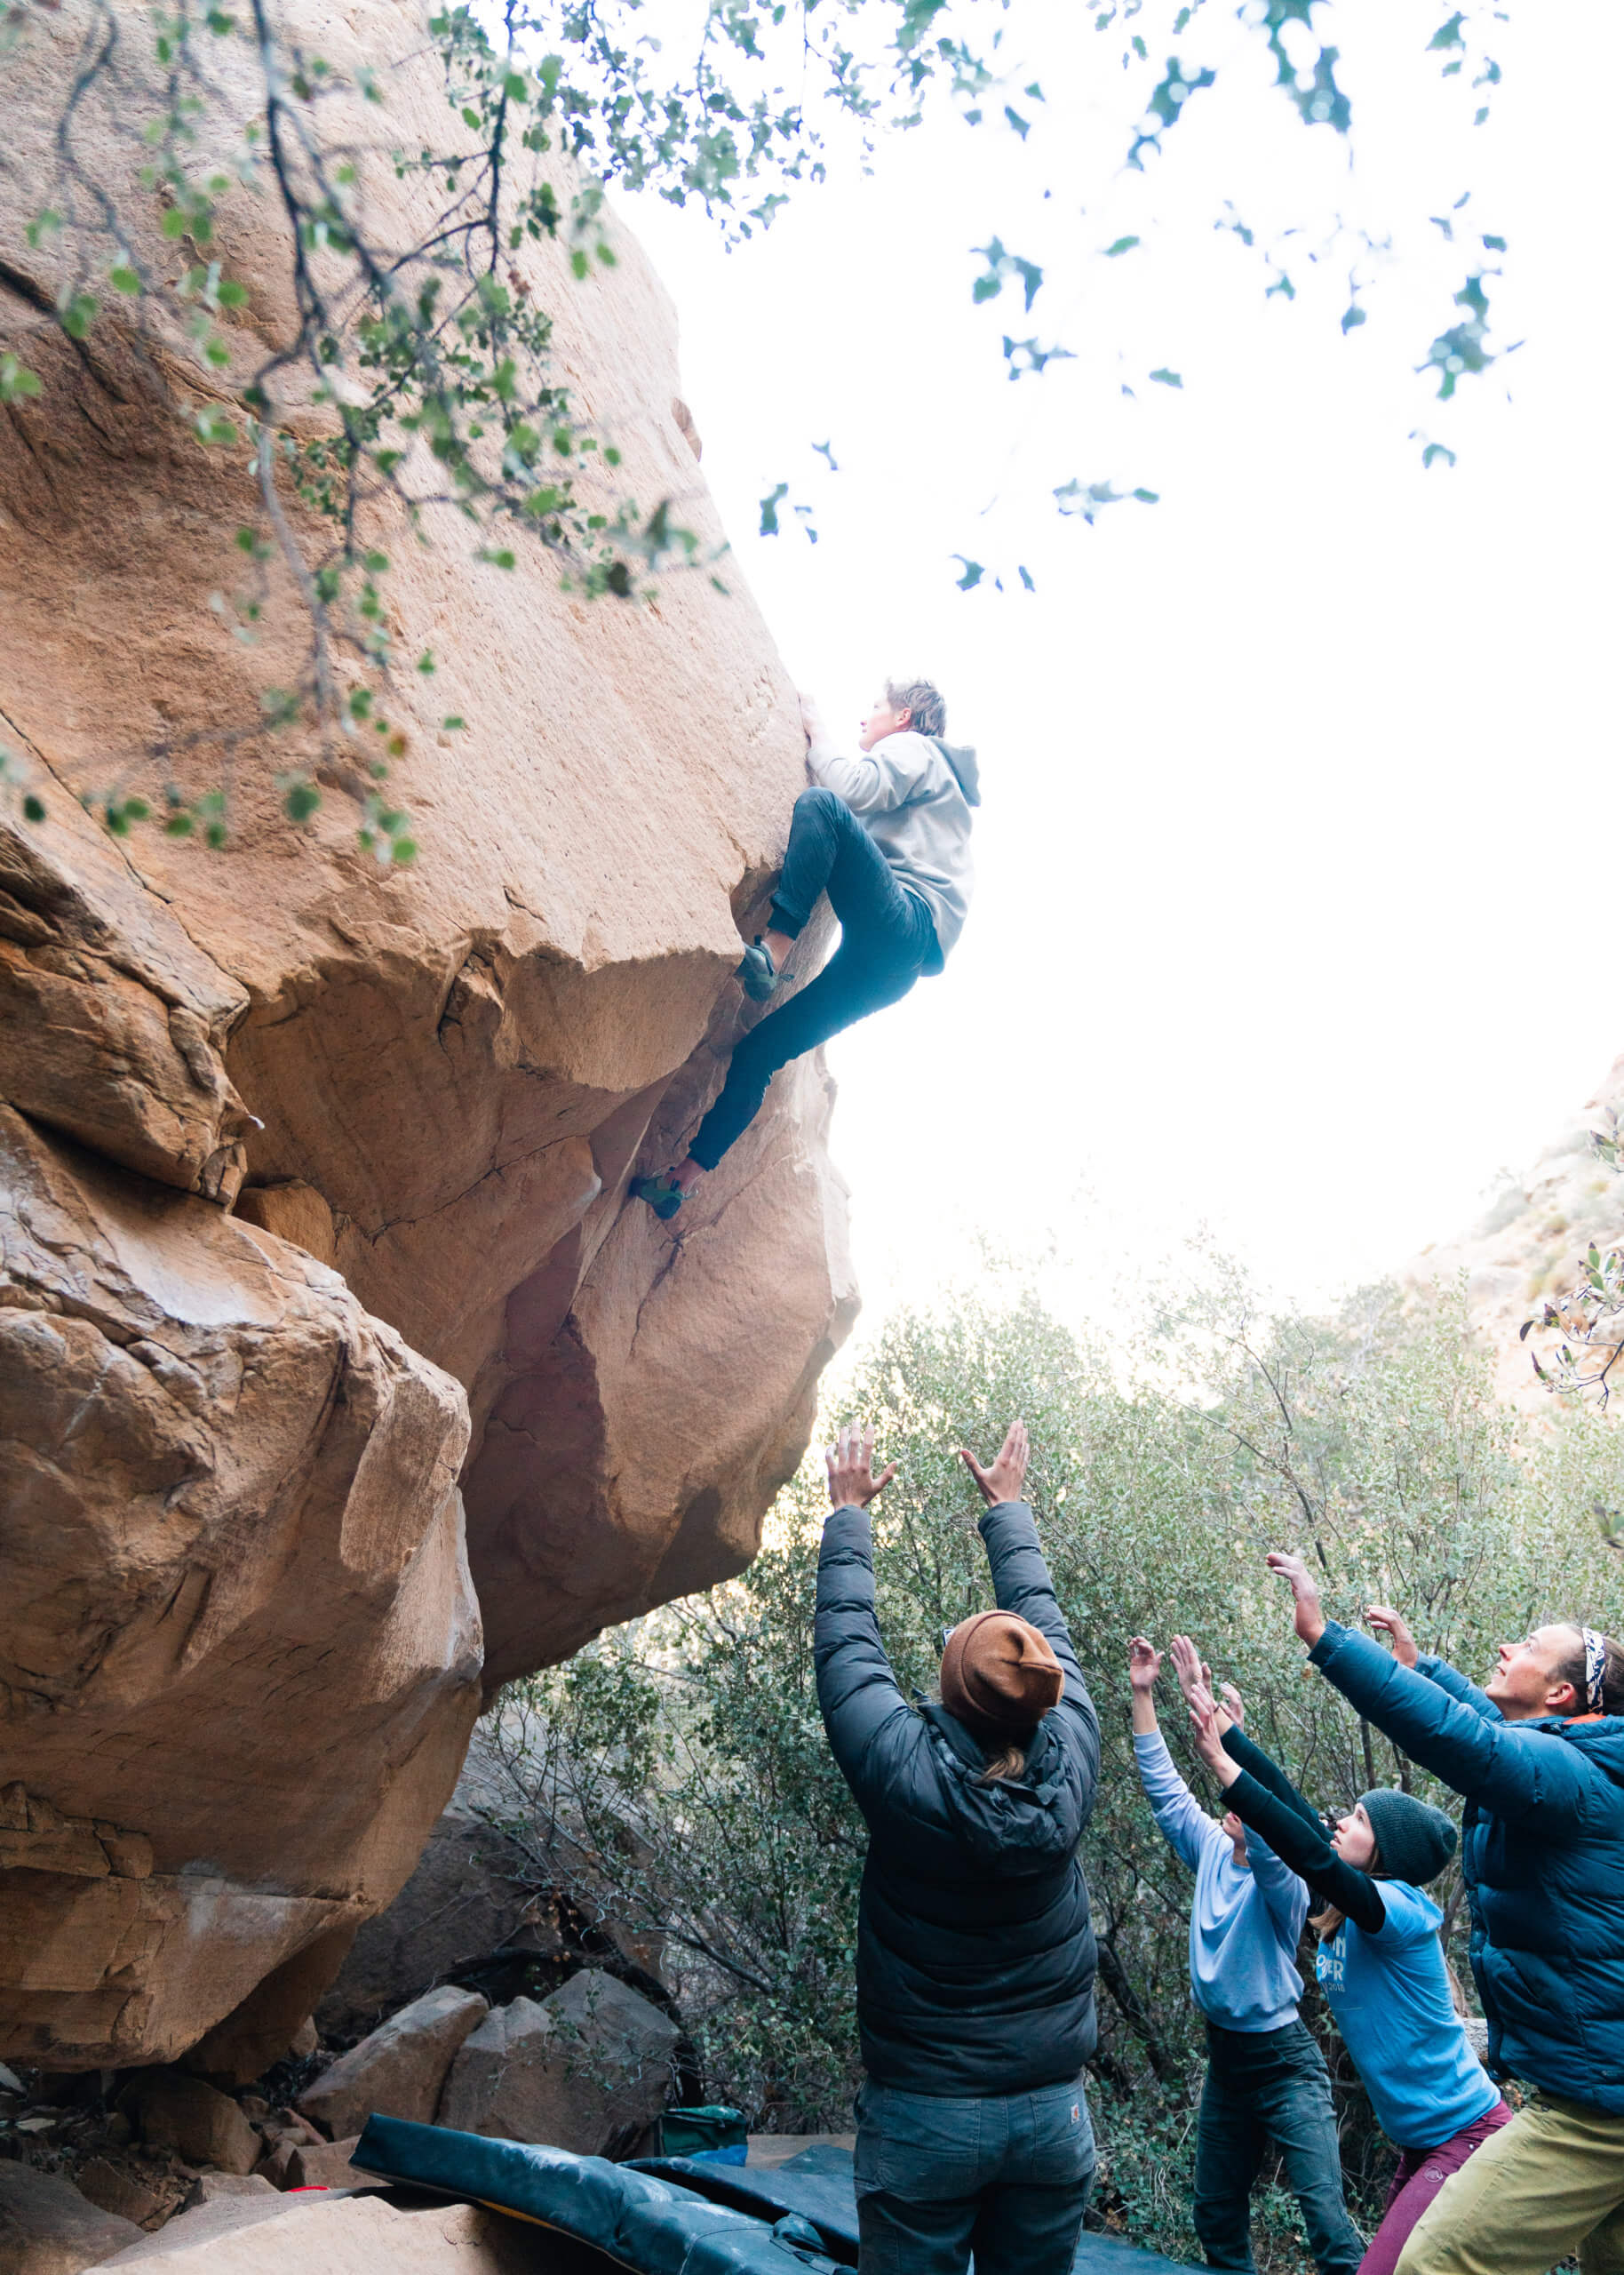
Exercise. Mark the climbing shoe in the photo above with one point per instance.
(663, 1195)
(758, 975)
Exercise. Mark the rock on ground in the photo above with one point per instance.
(586, 2070)
(242, 1642)
(47, 2228)
(399, 2070)
(345, 2235)
(171, 2111)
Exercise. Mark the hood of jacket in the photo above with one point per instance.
(961, 758)
(1599, 1738)
(1027, 1823)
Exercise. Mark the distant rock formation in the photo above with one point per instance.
(1530, 1243)
(314, 1173)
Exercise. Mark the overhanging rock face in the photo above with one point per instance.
(314, 1174)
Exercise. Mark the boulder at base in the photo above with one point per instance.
(47, 2228)
(398, 2071)
(586, 2070)
(348, 2235)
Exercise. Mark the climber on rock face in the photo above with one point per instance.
(886, 835)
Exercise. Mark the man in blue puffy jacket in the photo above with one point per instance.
(1538, 1754)
(976, 1953)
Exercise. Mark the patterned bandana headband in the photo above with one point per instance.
(1595, 1669)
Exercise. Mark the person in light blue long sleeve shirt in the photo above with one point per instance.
(1266, 2078)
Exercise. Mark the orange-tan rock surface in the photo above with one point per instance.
(235, 1624)
(1530, 1243)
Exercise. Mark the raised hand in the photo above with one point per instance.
(1003, 1480)
(1187, 1663)
(1145, 1664)
(1394, 1623)
(849, 1463)
(1234, 1705)
(1310, 1621)
(1204, 1728)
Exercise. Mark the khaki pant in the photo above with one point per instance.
(1550, 2183)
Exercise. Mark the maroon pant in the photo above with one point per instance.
(1419, 2175)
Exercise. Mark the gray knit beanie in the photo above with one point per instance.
(1416, 1839)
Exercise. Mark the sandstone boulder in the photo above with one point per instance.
(587, 2069)
(230, 1510)
(171, 2111)
(329, 2165)
(399, 2070)
(350, 2235)
(47, 2228)
(244, 1634)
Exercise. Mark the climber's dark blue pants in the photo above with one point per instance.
(887, 939)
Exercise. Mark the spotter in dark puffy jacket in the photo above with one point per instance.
(975, 1955)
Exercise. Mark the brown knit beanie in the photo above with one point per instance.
(999, 1673)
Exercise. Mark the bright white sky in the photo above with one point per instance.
(1297, 783)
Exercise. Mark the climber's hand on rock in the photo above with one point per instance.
(850, 1465)
(811, 720)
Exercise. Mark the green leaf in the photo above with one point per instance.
(1448, 35)
(177, 825)
(404, 851)
(1435, 451)
(1353, 315)
(453, 724)
(516, 87)
(302, 800)
(1122, 245)
(1148, 497)
(33, 808)
(230, 293)
(376, 563)
(425, 663)
(1495, 244)
(1166, 379)
(174, 222)
(123, 279)
(974, 571)
(16, 380)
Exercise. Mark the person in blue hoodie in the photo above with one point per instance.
(1539, 1754)
(975, 1952)
(886, 834)
(1266, 2081)
(1380, 1965)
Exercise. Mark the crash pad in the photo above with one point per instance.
(672, 2216)
(650, 2225)
(818, 2185)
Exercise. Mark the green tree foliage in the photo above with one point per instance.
(677, 1771)
(426, 357)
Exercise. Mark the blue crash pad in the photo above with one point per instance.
(818, 2185)
(670, 2215)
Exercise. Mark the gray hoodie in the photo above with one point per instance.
(914, 794)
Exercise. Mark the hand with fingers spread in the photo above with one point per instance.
(1234, 1705)
(1394, 1623)
(1310, 1621)
(849, 1463)
(1004, 1480)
